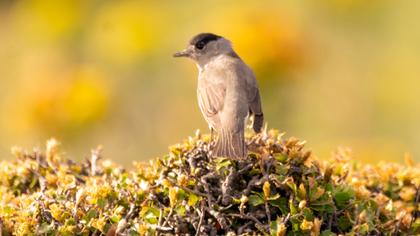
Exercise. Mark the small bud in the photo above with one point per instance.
(316, 227)
(363, 216)
(266, 189)
(327, 174)
(244, 199)
(198, 134)
(302, 191)
(51, 152)
(302, 204)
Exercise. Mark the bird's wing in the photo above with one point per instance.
(253, 94)
(211, 100)
(254, 101)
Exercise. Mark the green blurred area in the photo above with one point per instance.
(333, 72)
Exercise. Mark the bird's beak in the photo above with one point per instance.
(183, 53)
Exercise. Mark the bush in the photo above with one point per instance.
(280, 189)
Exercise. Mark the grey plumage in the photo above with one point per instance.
(227, 92)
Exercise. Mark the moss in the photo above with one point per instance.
(280, 189)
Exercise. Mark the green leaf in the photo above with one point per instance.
(115, 219)
(180, 210)
(102, 202)
(90, 214)
(292, 186)
(307, 213)
(415, 227)
(254, 171)
(44, 228)
(151, 218)
(222, 162)
(255, 200)
(181, 195)
(150, 214)
(273, 228)
(342, 196)
(344, 223)
(327, 233)
(280, 157)
(274, 197)
(280, 203)
(293, 209)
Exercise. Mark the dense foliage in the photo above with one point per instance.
(280, 189)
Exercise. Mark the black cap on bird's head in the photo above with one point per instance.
(197, 45)
(200, 40)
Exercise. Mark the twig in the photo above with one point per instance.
(286, 219)
(219, 217)
(160, 219)
(201, 218)
(416, 202)
(245, 169)
(227, 186)
(248, 217)
(122, 224)
(161, 229)
(267, 212)
(168, 217)
(397, 227)
(243, 227)
(251, 184)
(95, 156)
(330, 221)
(207, 188)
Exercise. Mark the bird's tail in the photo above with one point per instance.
(230, 144)
(258, 122)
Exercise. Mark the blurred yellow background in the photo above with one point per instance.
(332, 72)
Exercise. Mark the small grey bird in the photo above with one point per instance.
(227, 92)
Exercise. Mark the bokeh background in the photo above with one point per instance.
(332, 72)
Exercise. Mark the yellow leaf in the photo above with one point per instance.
(316, 227)
(306, 225)
(281, 229)
(173, 194)
(266, 189)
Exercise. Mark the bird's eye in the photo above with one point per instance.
(200, 45)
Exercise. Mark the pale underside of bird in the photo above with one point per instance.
(227, 92)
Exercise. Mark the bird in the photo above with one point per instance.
(227, 92)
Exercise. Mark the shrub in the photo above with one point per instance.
(279, 189)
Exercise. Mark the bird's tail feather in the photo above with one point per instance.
(258, 122)
(230, 144)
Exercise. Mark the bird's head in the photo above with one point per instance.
(205, 46)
